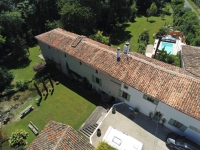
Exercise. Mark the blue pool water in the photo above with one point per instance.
(168, 47)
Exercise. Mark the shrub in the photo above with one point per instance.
(104, 146)
(22, 85)
(18, 138)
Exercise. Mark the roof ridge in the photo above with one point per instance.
(61, 138)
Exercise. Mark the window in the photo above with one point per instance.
(96, 71)
(80, 62)
(124, 95)
(125, 86)
(177, 124)
(96, 80)
(151, 99)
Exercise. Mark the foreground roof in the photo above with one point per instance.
(58, 136)
(191, 59)
(170, 84)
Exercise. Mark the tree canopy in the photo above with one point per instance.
(5, 78)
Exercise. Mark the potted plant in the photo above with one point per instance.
(150, 115)
(163, 121)
(136, 110)
(98, 132)
(114, 110)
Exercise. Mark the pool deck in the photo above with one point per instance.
(176, 46)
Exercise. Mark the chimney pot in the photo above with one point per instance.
(118, 54)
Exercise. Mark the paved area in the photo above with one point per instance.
(149, 132)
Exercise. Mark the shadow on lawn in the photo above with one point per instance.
(119, 35)
(74, 86)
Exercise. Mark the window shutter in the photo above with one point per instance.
(171, 121)
(100, 82)
(183, 128)
(156, 102)
(120, 93)
(145, 96)
(128, 97)
(92, 78)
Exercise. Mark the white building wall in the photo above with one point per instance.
(110, 85)
(169, 112)
(137, 100)
(49, 52)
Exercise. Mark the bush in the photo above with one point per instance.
(22, 85)
(18, 138)
(31, 86)
(104, 146)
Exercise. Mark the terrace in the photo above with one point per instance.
(138, 126)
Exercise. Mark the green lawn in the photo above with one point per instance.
(64, 106)
(27, 72)
(68, 104)
(132, 30)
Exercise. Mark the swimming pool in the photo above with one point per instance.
(168, 47)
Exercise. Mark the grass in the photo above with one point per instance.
(27, 72)
(194, 6)
(132, 30)
(64, 106)
(68, 104)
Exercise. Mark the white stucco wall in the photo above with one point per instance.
(138, 101)
(169, 112)
(109, 85)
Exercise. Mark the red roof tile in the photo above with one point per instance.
(58, 136)
(191, 59)
(172, 85)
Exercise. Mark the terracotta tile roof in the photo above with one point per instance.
(58, 136)
(172, 85)
(191, 59)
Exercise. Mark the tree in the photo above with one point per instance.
(77, 18)
(151, 11)
(141, 48)
(100, 38)
(144, 37)
(21, 85)
(2, 39)
(104, 146)
(162, 55)
(18, 138)
(5, 78)
(14, 48)
(162, 32)
(133, 11)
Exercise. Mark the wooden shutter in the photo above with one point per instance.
(120, 93)
(100, 82)
(93, 78)
(183, 128)
(128, 97)
(145, 96)
(155, 102)
(171, 121)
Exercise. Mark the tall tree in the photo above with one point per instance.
(152, 10)
(144, 37)
(5, 78)
(14, 47)
(77, 18)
